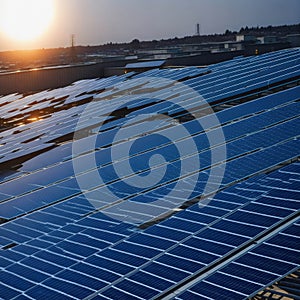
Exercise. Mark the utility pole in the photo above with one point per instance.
(197, 29)
(73, 55)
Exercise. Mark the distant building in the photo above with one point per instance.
(267, 39)
(245, 38)
(294, 39)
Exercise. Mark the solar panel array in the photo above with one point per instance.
(56, 244)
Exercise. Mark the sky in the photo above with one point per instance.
(97, 22)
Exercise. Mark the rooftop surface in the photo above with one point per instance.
(170, 184)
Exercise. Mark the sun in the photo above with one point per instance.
(25, 20)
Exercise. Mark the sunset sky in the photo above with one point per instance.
(100, 21)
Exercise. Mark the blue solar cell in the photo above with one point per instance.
(145, 292)
(188, 295)
(52, 174)
(180, 263)
(31, 274)
(223, 205)
(52, 221)
(209, 246)
(95, 272)
(195, 254)
(75, 290)
(35, 200)
(114, 266)
(169, 233)
(265, 263)
(110, 237)
(238, 228)
(96, 222)
(78, 249)
(17, 186)
(81, 279)
(151, 241)
(222, 237)
(260, 104)
(39, 244)
(183, 224)
(196, 216)
(126, 258)
(137, 250)
(46, 159)
(63, 261)
(14, 237)
(50, 239)
(292, 230)
(39, 226)
(88, 241)
(7, 292)
(26, 249)
(4, 196)
(60, 234)
(39, 292)
(151, 280)
(212, 212)
(286, 241)
(15, 281)
(9, 254)
(211, 291)
(233, 197)
(5, 262)
(168, 273)
(283, 254)
(289, 204)
(23, 230)
(248, 273)
(235, 284)
(256, 207)
(254, 219)
(282, 194)
(4, 241)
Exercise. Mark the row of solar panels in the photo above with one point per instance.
(46, 130)
(97, 255)
(57, 183)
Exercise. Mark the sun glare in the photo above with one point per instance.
(25, 20)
